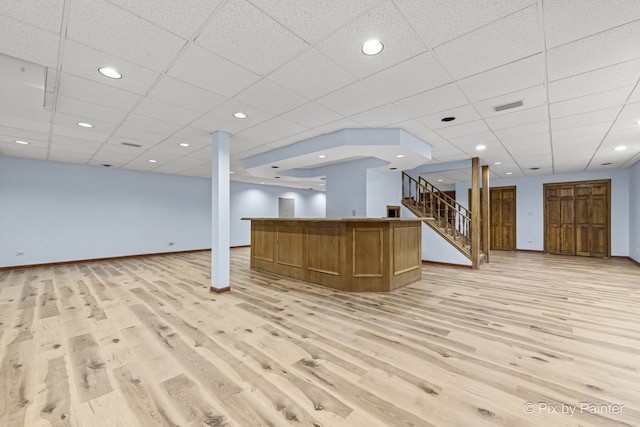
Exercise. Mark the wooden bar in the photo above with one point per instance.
(352, 254)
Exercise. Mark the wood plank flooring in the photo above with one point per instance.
(528, 340)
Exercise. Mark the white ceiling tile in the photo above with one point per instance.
(414, 75)
(130, 37)
(150, 124)
(136, 135)
(635, 96)
(462, 114)
(382, 116)
(66, 124)
(384, 23)
(566, 21)
(631, 110)
(209, 71)
(60, 155)
(245, 35)
(271, 130)
(432, 101)
(412, 126)
(508, 40)
(193, 135)
(311, 115)
(13, 133)
(27, 151)
(597, 131)
(27, 42)
(523, 130)
(517, 117)
(598, 101)
(598, 51)
(607, 115)
(469, 142)
(89, 111)
(616, 76)
(270, 97)
(531, 97)
(470, 128)
(540, 141)
(86, 90)
(43, 14)
(172, 15)
(314, 20)
(337, 125)
(508, 78)
(166, 112)
(352, 99)
(221, 118)
(312, 75)
(185, 95)
(439, 21)
(84, 62)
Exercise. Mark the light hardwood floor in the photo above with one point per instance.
(140, 342)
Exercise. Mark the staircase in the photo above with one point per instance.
(440, 212)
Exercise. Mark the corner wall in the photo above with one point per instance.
(56, 212)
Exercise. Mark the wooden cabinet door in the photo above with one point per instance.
(559, 235)
(503, 218)
(577, 218)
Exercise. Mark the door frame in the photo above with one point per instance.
(607, 182)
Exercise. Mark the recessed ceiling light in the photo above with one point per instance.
(322, 156)
(534, 169)
(400, 156)
(509, 173)
(110, 72)
(620, 148)
(262, 183)
(184, 144)
(21, 142)
(277, 177)
(480, 147)
(153, 161)
(497, 163)
(274, 167)
(231, 172)
(372, 47)
(239, 115)
(392, 169)
(321, 185)
(85, 125)
(447, 119)
(323, 178)
(440, 180)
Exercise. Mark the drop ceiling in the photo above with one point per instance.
(296, 69)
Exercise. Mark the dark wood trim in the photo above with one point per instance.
(114, 258)
(219, 290)
(475, 213)
(238, 247)
(447, 264)
(533, 251)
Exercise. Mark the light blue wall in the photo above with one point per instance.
(54, 212)
(634, 212)
(261, 201)
(530, 206)
(383, 188)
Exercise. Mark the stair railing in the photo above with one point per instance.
(430, 202)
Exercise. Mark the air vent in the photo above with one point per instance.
(508, 106)
(131, 144)
(106, 165)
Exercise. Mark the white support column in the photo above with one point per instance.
(220, 221)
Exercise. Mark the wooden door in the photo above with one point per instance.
(577, 218)
(502, 214)
(503, 218)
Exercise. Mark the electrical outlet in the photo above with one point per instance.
(19, 253)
